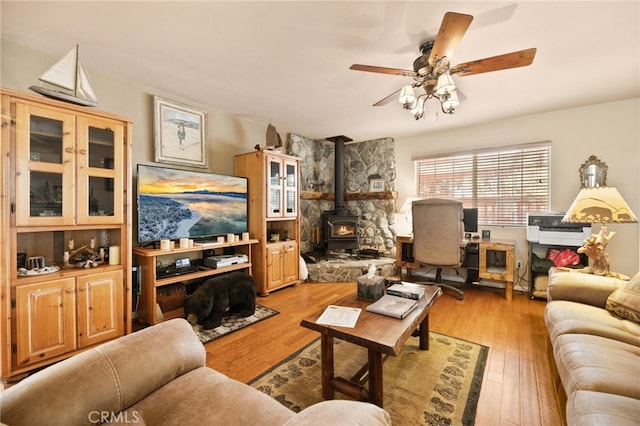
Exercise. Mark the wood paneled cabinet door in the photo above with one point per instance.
(68, 167)
(45, 320)
(61, 315)
(100, 313)
(283, 264)
(275, 266)
(291, 261)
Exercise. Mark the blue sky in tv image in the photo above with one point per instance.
(175, 203)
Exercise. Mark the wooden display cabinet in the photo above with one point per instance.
(65, 176)
(273, 216)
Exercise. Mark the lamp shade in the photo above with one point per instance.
(407, 96)
(445, 84)
(450, 104)
(602, 204)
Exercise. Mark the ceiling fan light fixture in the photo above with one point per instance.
(407, 96)
(417, 108)
(445, 84)
(450, 102)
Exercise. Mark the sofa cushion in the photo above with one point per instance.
(625, 302)
(563, 317)
(596, 408)
(581, 287)
(333, 413)
(597, 364)
(207, 397)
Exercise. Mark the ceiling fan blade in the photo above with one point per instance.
(383, 70)
(453, 27)
(387, 99)
(521, 58)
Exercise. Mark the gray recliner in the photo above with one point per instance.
(438, 236)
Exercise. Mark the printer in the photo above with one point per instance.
(547, 228)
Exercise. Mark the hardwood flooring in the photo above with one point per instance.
(517, 387)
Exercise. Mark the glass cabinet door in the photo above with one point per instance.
(44, 166)
(274, 187)
(290, 188)
(99, 163)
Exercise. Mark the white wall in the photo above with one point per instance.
(610, 131)
(227, 135)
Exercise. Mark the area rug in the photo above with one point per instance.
(232, 322)
(440, 386)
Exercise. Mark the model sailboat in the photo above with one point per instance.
(70, 74)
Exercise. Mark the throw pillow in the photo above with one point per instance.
(625, 302)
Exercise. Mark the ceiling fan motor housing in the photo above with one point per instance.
(421, 66)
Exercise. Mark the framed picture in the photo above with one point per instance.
(180, 133)
(376, 185)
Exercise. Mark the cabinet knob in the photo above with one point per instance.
(83, 151)
(68, 150)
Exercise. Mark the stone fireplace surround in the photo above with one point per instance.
(363, 161)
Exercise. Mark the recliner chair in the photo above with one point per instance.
(438, 236)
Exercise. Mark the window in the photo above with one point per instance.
(504, 184)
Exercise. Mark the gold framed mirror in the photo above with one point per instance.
(593, 173)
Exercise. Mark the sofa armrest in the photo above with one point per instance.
(105, 379)
(576, 286)
(341, 412)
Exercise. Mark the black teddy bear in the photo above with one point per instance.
(234, 292)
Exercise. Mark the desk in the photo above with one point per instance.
(496, 260)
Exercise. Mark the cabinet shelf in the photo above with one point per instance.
(200, 274)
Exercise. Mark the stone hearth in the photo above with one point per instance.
(341, 268)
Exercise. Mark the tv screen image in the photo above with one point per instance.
(175, 204)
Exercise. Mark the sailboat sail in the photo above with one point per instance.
(63, 72)
(68, 73)
(83, 87)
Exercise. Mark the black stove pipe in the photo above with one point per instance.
(340, 206)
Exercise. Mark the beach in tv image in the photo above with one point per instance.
(175, 203)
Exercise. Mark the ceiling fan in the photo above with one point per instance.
(432, 70)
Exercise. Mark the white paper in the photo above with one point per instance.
(341, 316)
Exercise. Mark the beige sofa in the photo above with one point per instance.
(593, 324)
(157, 376)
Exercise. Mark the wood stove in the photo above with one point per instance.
(340, 232)
(339, 227)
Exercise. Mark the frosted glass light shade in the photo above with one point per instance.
(407, 96)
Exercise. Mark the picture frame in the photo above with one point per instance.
(376, 185)
(180, 133)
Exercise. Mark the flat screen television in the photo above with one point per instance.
(470, 219)
(175, 204)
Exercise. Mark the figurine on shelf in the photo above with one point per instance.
(65, 259)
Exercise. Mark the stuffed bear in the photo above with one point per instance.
(235, 292)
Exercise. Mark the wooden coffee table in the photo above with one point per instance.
(382, 336)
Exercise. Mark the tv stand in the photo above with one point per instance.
(148, 258)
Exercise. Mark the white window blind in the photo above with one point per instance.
(504, 184)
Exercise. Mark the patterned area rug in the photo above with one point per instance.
(440, 386)
(232, 322)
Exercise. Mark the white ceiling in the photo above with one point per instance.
(288, 62)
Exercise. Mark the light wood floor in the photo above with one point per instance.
(516, 389)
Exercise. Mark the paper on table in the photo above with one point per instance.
(341, 316)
